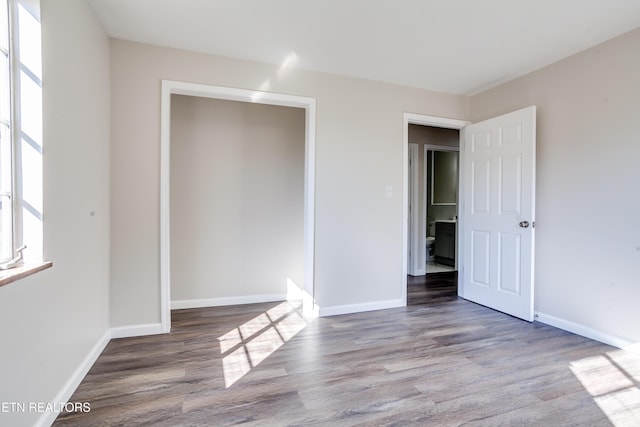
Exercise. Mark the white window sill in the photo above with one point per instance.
(17, 273)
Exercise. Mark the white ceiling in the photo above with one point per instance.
(455, 46)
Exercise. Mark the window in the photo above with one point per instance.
(20, 132)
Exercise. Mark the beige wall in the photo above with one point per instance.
(237, 187)
(358, 231)
(588, 151)
(49, 322)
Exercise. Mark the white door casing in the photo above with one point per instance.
(498, 212)
(416, 265)
(170, 87)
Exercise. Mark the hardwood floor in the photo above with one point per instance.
(432, 288)
(443, 362)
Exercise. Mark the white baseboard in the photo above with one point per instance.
(584, 331)
(358, 308)
(216, 302)
(419, 272)
(69, 387)
(78, 375)
(136, 330)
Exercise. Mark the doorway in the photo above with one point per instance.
(237, 172)
(169, 88)
(415, 224)
(433, 199)
(495, 243)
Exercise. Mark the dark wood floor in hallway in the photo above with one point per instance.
(442, 362)
(432, 288)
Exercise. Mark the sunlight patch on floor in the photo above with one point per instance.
(245, 347)
(613, 379)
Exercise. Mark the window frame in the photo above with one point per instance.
(13, 117)
(24, 116)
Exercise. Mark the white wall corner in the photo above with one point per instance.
(67, 390)
(358, 308)
(584, 331)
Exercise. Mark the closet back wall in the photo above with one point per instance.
(237, 193)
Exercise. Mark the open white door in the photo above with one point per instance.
(498, 212)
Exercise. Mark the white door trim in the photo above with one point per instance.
(415, 119)
(416, 267)
(169, 88)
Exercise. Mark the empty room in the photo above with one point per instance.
(232, 212)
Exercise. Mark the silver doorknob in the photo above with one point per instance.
(524, 224)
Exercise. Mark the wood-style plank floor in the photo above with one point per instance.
(432, 288)
(442, 362)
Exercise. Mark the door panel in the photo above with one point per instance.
(481, 187)
(498, 191)
(480, 254)
(509, 250)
